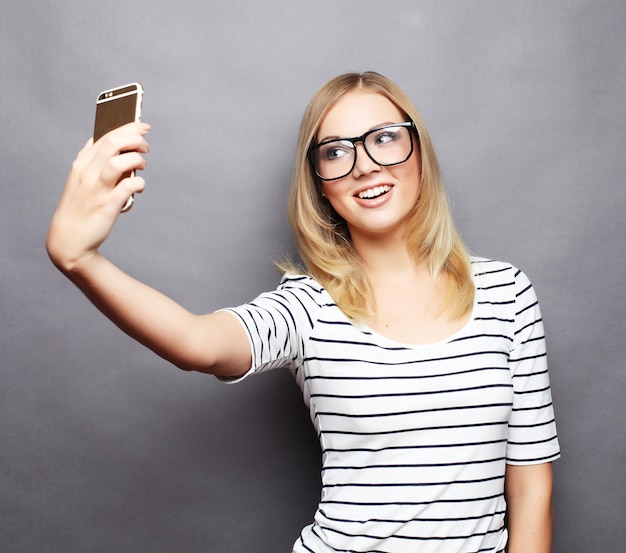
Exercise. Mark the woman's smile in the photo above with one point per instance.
(373, 193)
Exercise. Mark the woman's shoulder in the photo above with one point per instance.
(486, 266)
(300, 281)
(491, 273)
(304, 288)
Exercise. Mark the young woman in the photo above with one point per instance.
(424, 368)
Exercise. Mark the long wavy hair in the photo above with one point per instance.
(323, 239)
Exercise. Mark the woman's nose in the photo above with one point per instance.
(364, 164)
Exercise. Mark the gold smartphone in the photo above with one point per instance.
(116, 107)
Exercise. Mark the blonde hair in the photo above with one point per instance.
(322, 238)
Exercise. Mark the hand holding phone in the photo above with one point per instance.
(116, 107)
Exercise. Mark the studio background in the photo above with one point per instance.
(106, 447)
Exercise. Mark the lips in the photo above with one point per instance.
(374, 192)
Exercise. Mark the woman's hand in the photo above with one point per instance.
(96, 190)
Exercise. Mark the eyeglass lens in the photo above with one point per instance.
(389, 145)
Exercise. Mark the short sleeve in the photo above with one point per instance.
(278, 323)
(532, 435)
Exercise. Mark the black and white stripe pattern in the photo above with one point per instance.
(414, 439)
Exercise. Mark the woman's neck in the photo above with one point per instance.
(386, 257)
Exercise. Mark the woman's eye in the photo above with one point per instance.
(385, 137)
(332, 153)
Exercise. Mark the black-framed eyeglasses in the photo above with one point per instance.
(387, 145)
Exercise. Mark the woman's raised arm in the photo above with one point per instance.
(95, 192)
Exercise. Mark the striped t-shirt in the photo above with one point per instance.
(414, 439)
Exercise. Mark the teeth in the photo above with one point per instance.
(374, 192)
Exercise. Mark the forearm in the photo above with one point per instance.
(143, 313)
(530, 516)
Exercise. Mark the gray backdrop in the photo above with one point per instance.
(104, 446)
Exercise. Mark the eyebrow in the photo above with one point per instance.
(377, 126)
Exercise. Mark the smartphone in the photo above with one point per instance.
(116, 107)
